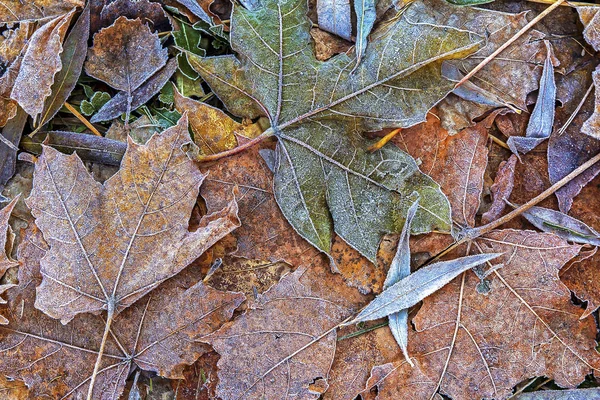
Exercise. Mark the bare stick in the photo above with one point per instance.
(509, 42)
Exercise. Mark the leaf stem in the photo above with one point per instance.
(214, 157)
(509, 42)
(383, 141)
(109, 319)
(80, 117)
(567, 3)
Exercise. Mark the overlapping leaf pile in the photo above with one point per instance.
(244, 218)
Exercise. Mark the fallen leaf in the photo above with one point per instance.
(125, 55)
(327, 45)
(152, 334)
(129, 225)
(149, 12)
(334, 16)
(400, 269)
(11, 134)
(195, 8)
(13, 390)
(312, 168)
(214, 131)
(200, 379)
(501, 189)
(563, 156)
(589, 18)
(575, 394)
(591, 126)
(510, 76)
(472, 345)
(123, 102)
(541, 120)
(456, 162)
(74, 51)
(264, 233)
(40, 64)
(365, 18)
(14, 11)
(285, 338)
(6, 238)
(418, 285)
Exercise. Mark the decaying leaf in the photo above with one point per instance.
(501, 189)
(589, 18)
(323, 171)
(282, 347)
(510, 76)
(12, 11)
(365, 18)
(72, 57)
(591, 126)
(123, 102)
(474, 345)
(6, 238)
(105, 238)
(40, 64)
(563, 156)
(125, 55)
(153, 334)
(149, 12)
(264, 233)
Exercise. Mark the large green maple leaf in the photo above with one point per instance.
(325, 179)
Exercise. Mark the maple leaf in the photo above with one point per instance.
(282, 347)
(325, 180)
(104, 239)
(471, 345)
(153, 334)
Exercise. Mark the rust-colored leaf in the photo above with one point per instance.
(56, 360)
(12, 11)
(6, 238)
(501, 189)
(104, 239)
(149, 12)
(264, 233)
(283, 345)
(475, 345)
(41, 62)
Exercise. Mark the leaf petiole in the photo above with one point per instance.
(214, 157)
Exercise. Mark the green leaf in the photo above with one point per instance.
(325, 179)
(86, 108)
(365, 18)
(99, 99)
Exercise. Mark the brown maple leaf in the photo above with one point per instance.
(282, 347)
(112, 243)
(474, 345)
(57, 361)
(265, 234)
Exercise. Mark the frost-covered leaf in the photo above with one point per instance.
(325, 179)
(14, 11)
(334, 16)
(104, 238)
(473, 345)
(154, 334)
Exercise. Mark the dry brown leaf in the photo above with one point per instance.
(40, 63)
(590, 19)
(55, 360)
(149, 12)
(6, 238)
(283, 346)
(511, 76)
(18, 10)
(125, 55)
(476, 345)
(264, 233)
(200, 379)
(501, 189)
(105, 238)
(456, 162)
(250, 277)
(13, 390)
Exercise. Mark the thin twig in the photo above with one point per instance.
(509, 42)
(574, 114)
(474, 233)
(83, 120)
(363, 331)
(8, 143)
(499, 142)
(566, 3)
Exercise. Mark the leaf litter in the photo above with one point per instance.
(352, 238)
